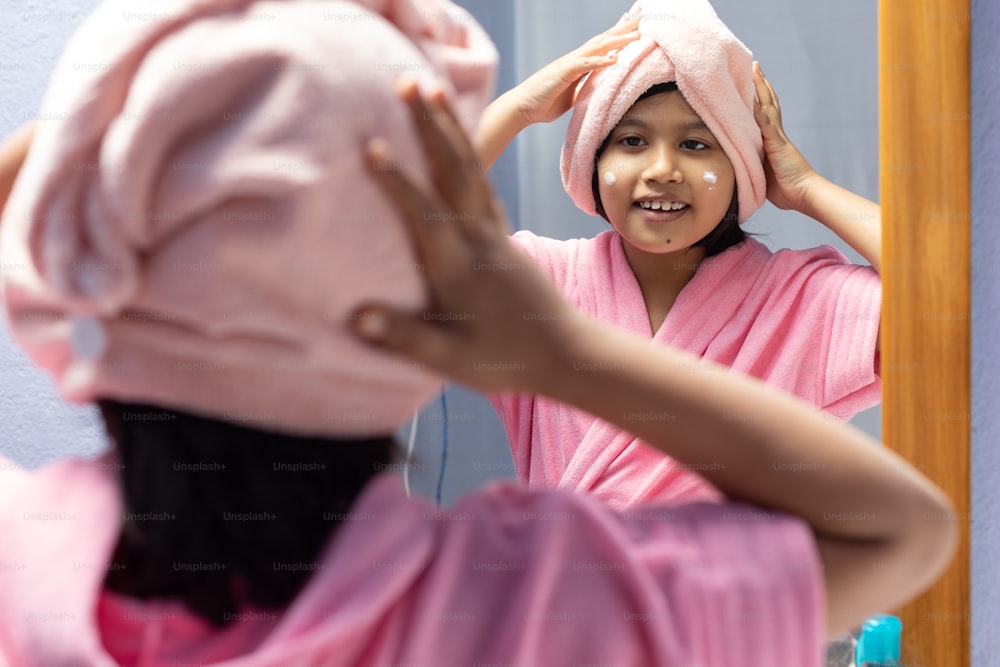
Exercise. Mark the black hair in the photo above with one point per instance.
(221, 515)
(723, 236)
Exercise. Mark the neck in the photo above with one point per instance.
(661, 277)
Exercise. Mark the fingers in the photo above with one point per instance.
(608, 41)
(439, 129)
(456, 171)
(623, 32)
(456, 211)
(627, 23)
(414, 203)
(592, 57)
(404, 334)
(599, 52)
(765, 93)
(766, 109)
(441, 137)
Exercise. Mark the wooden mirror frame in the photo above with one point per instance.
(924, 87)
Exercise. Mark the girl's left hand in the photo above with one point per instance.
(788, 173)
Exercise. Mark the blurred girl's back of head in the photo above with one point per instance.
(198, 228)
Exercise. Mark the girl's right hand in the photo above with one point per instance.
(551, 91)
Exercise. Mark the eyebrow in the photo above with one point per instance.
(632, 121)
(696, 124)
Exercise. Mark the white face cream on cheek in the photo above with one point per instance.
(711, 179)
(610, 178)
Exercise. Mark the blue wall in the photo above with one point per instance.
(985, 332)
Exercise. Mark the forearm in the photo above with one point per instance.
(853, 218)
(752, 442)
(500, 123)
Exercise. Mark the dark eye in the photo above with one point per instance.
(694, 145)
(631, 141)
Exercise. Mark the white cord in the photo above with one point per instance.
(409, 453)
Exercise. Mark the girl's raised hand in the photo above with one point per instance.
(495, 320)
(550, 92)
(788, 173)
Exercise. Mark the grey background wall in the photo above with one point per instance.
(37, 425)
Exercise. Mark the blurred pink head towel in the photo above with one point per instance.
(193, 226)
(686, 42)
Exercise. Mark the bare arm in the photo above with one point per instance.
(883, 530)
(853, 218)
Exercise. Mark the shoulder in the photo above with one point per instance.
(568, 517)
(786, 264)
(756, 253)
(506, 522)
(13, 477)
(60, 485)
(568, 261)
(46, 483)
(825, 254)
(548, 555)
(542, 247)
(699, 557)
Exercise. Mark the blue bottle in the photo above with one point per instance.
(879, 643)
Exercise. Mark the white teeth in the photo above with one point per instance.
(662, 205)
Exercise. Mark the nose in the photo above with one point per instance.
(663, 166)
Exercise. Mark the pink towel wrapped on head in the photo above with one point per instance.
(682, 41)
(194, 228)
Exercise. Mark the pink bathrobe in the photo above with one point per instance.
(804, 321)
(508, 576)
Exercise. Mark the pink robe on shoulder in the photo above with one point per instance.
(508, 576)
(804, 321)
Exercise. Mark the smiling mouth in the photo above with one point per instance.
(661, 206)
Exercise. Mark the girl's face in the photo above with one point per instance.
(664, 181)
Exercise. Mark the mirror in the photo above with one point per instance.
(821, 59)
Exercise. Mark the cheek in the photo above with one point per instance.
(726, 176)
(718, 177)
(609, 179)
